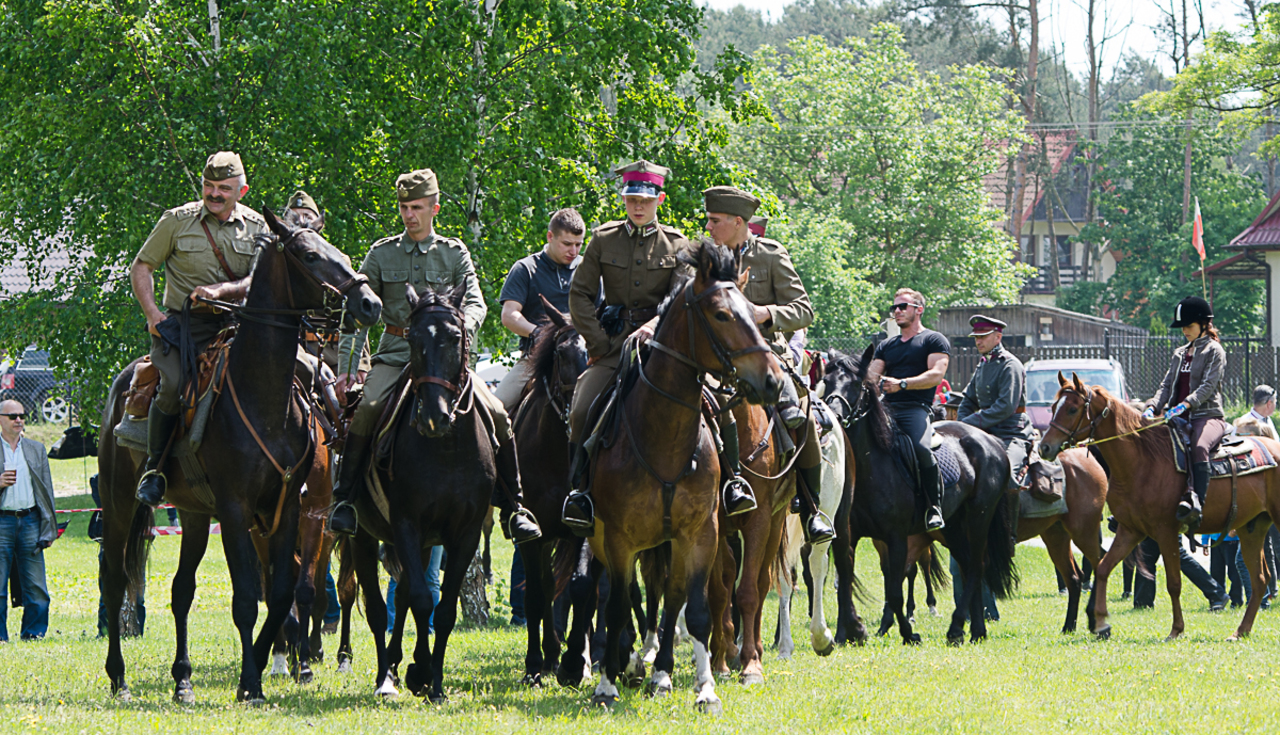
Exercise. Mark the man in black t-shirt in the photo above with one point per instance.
(546, 273)
(909, 368)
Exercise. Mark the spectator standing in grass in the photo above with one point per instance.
(27, 525)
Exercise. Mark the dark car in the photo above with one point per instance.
(31, 382)
(1042, 383)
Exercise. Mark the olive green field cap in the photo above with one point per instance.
(418, 184)
(730, 200)
(223, 165)
(303, 200)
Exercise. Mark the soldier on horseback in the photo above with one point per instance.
(996, 398)
(909, 367)
(207, 250)
(1192, 386)
(631, 297)
(427, 260)
(781, 308)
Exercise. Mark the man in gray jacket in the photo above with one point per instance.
(27, 524)
(996, 399)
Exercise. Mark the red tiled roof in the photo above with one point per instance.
(1060, 144)
(1264, 233)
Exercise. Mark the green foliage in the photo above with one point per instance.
(1141, 219)
(520, 107)
(845, 302)
(897, 155)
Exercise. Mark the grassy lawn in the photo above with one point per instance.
(1027, 677)
(70, 476)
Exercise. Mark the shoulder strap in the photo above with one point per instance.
(217, 252)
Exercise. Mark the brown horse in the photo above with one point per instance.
(659, 479)
(1145, 488)
(761, 531)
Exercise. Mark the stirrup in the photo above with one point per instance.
(736, 484)
(355, 517)
(824, 537)
(522, 512)
(142, 480)
(577, 525)
(940, 524)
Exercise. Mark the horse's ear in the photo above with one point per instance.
(742, 279)
(1062, 379)
(411, 294)
(869, 354)
(1075, 379)
(557, 317)
(318, 224)
(458, 296)
(275, 225)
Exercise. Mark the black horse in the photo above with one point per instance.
(541, 426)
(887, 507)
(437, 473)
(258, 425)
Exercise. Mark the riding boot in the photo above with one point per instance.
(160, 427)
(817, 527)
(351, 470)
(931, 482)
(578, 513)
(519, 525)
(737, 496)
(1190, 509)
(789, 405)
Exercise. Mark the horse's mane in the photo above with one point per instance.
(1153, 442)
(721, 267)
(878, 416)
(542, 355)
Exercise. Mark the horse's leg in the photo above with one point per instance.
(551, 641)
(195, 540)
(364, 556)
(241, 563)
(459, 560)
(279, 648)
(320, 607)
(786, 646)
(575, 664)
(849, 626)
(820, 636)
(912, 570)
(756, 580)
(1058, 544)
(1251, 548)
(395, 646)
(412, 597)
(280, 596)
(695, 564)
(534, 554)
(620, 570)
(347, 588)
(1125, 541)
(1170, 550)
(310, 547)
(960, 543)
(886, 613)
(895, 566)
(719, 593)
(930, 599)
(118, 519)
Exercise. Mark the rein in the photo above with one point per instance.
(1090, 441)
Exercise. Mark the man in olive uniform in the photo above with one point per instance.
(427, 260)
(635, 261)
(207, 250)
(781, 308)
(996, 399)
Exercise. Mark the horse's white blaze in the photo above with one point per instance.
(649, 651)
(431, 329)
(387, 689)
(605, 688)
(279, 665)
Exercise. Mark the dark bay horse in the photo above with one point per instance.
(438, 476)
(887, 507)
(261, 426)
(1145, 488)
(659, 479)
(541, 427)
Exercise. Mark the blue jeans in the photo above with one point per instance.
(18, 540)
(957, 589)
(332, 613)
(432, 576)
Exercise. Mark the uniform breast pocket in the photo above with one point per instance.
(435, 279)
(663, 262)
(243, 245)
(191, 243)
(397, 276)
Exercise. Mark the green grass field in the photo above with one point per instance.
(1026, 677)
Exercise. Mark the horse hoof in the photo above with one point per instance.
(531, 680)
(184, 694)
(955, 642)
(124, 695)
(305, 676)
(911, 640)
(830, 649)
(658, 690)
(411, 681)
(279, 665)
(1171, 637)
(437, 698)
(752, 679)
(1103, 633)
(253, 699)
(933, 611)
(604, 700)
(344, 667)
(387, 690)
(567, 677)
(711, 707)
(630, 680)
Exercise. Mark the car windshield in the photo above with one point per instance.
(1042, 385)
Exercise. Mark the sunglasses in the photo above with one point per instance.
(14, 416)
(900, 306)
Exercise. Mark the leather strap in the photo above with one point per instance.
(217, 252)
(400, 332)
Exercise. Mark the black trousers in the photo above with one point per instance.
(913, 419)
(1222, 567)
(1144, 590)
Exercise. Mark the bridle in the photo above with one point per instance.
(460, 388)
(1087, 396)
(728, 373)
(558, 395)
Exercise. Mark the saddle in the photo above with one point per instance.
(948, 463)
(1234, 456)
(146, 379)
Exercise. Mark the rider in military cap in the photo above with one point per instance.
(996, 398)
(420, 256)
(634, 259)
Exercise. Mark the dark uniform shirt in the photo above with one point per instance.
(533, 276)
(909, 359)
(996, 399)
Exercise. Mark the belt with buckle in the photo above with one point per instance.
(397, 331)
(18, 513)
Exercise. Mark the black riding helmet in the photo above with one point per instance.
(1191, 310)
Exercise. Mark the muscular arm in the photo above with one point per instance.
(875, 371)
(938, 362)
(141, 277)
(513, 319)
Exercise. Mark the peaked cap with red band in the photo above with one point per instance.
(643, 179)
(984, 325)
(757, 225)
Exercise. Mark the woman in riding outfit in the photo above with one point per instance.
(1192, 388)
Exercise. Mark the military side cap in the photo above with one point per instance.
(757, 225)
(643, 179)
(418, 184)
(223, 165)
(730, 200)
(984, 325)
(303, 200)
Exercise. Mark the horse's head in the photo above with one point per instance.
(1077, 409)
(844, 383)
(731, 346)
(319, 273)
(438, 353)
(570, 348)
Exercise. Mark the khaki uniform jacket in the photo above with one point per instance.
(41, 485)
(996, 399)
(636, 266)
(1208, 365)
(178, 242)
(774, 284)
(435, 263)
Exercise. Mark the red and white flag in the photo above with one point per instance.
(1197, 232)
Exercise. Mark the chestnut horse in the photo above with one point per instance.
(659, 479)
(1146, 486)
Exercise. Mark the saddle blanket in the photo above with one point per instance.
(1032, 507)
(131, 432)
(1248, 455)
(948, 462)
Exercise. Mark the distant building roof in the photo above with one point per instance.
(16, 275)
(1060, 146)
(1264, 233)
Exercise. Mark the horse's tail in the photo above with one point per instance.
(1001, 571)
(655, 565)
(137, 548)
(390, 561)
(934, 572)
(564, 561)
